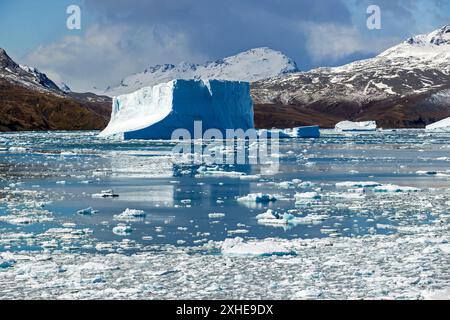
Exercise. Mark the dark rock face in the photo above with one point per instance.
(29, 100)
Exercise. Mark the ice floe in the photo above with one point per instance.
(257, 198)
(130, 215)
(238, 247)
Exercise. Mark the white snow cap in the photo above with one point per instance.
(252, 65)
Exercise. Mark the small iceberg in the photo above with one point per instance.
(105, 194)
(122, 230)
(130, 215)
(271, 217)
(357, 184)
(440, 126)
(6, 261)
(87, 212)
(349, 126)
(394, 188)
(266, 247)
(307, 195)
(258, 198)
(216, 215)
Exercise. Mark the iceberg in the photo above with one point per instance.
(345, 126)
(440, 126)
(156, 112)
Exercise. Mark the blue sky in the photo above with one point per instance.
(120, 37)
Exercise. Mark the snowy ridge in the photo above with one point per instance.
(252, 65)
(26, 76)
(418, 65)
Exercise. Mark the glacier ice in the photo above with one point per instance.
(440, 126)
(356, 126)
(156, 112)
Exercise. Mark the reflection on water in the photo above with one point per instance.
(47, 177)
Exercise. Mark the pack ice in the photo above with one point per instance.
(155, 112)
(440, 126)
(356, 126)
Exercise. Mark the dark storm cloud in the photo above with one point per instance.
(218, 28)
(122, 37)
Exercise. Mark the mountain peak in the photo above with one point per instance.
(251, 65)
(6, 61)
(437, 37)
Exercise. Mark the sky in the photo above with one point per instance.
(121, 37)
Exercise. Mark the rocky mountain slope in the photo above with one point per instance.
(29, 100)
(252, 65)
(405, 86)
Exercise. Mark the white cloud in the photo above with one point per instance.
(105, 54)
(328, 43)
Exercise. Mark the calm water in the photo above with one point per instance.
(57, 173)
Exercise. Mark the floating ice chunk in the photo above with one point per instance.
(271, 217)
(87, 211)
(250, 177)
(216, 215)
(306, 132)
(440, 126)
(17, 149)
(307, 195)
(357, 184)
(6, 261)
(105, 194)
(156, 112)
(238, 231)
(443, 294)
(298, 132)
(428, 173)
(122, 230)
(394, 188)
(130, 215)
(345, 126)
(258, 198)
(266, 247)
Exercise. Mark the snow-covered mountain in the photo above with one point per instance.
(408, 77)
(24, 75)
(251, 65)
(31, 101)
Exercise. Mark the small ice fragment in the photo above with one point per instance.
(105, 194)
(216, 215)
(130, 215)
(271, 217)
(394, 188)
(257, 197)
(266, 247)
(357, 184)
(18, 149)
(122, 230)
(6, 261)
(307, 195)
(87, 211)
